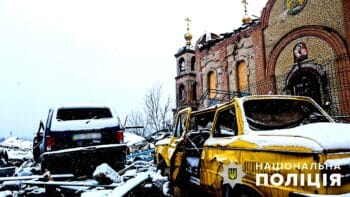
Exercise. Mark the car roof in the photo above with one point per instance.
(79, 105)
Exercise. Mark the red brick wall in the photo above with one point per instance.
(259, 58)
(346, 8)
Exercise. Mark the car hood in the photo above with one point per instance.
(316, 136)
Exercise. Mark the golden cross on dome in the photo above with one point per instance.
(245, 2)
(188, 20)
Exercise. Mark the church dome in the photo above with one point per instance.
(246, 19)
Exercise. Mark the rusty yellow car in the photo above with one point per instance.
(260, 146)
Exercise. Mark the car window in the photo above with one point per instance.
(226, 124)
(180, 124)
(202, 122)
(270, 114)
(66, 114)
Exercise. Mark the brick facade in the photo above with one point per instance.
(266, 46)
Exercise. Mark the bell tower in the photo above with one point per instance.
(186, 85)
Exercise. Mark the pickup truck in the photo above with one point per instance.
(77, 138)
(259, 146)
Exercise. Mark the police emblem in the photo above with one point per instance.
(232, 174)
(294, 6)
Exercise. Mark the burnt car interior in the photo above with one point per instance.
(281, 113)
(200, 125)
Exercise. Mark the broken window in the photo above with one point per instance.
(202, 122)
(226, 124)
(270, 114)
(180, 124)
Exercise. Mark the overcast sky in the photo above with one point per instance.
(112, 52)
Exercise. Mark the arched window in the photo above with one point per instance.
(182, 92)
(242, 76)
(194, 91)
(212, 84)
(182, 65)
(193, 62)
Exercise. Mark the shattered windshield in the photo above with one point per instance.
(270, 114)
(202, 122)
(65, 114)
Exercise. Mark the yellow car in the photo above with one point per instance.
(263, 146)
(165, 148)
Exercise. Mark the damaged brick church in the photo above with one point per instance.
(296, 47)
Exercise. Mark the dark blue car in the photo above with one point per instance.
(77, 138)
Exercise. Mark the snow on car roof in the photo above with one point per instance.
(131, 138)
(83, 124)
(86, 124)
(80, 105)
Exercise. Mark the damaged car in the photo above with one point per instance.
(77, 138)
(267, 145)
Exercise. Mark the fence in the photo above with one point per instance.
(328, 83)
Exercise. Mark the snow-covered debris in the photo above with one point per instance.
(130, 184)
(15, 142)
(5, 193)
(135, 142)
(27, 168)
(19, 155)
(17, 150)
(104, 174)
(97, 193)
(162, 182)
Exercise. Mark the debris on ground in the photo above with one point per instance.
(20, 176)
(104, 174)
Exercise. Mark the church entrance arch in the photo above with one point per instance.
(306, 80)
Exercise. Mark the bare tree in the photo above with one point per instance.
(158, 112)
(136, 119)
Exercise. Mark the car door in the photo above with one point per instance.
(175, 150)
